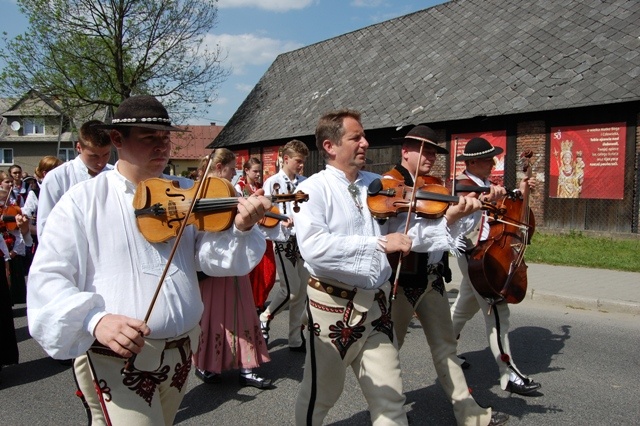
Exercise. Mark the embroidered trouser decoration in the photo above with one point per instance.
(342, 335)
(438, 285)
(413, 294)
(144, 383)
(290, 250)
(384, 324)
(182, 369)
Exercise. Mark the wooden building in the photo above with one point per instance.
(560, 78)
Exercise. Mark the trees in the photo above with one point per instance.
(97, 53)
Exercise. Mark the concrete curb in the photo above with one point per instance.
(569, 301)
(590, 303)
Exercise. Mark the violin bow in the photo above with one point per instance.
(183, 225)
(453, 172)
(394, 289)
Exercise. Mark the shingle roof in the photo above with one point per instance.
(458, 60)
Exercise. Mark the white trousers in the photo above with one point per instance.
(148, 395)
(432, 309)
(496, 321)
(292, 290)
(358, 335)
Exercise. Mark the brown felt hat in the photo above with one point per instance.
(141, 111)
(422, 133)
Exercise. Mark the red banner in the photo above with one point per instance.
(241, 157)
(269, 161)
(495, 138)
(587, 161)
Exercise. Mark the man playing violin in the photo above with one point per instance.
(422, 289)
(94, 276)
(345, 251)
(479, 161)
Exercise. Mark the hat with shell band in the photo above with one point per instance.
(478, 148)
(141, 111)
(422, 133)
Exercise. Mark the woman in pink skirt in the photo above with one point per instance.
(231, 336)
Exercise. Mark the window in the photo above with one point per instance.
(34, 126)
(67, 154)
(6, 155)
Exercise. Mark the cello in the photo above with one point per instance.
(496, 265)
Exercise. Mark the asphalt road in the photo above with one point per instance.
(588, 363)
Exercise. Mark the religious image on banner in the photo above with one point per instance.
(495, 138)
(587, 161)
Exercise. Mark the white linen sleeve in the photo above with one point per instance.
(229, 253)
(30, 205)
(61, 315)
(279, 233)
(50, 193)
(429, 235)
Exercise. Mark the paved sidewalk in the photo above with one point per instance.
(582, 288)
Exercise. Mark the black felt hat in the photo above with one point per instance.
(478, 148)
(422, 133)
(141, 111)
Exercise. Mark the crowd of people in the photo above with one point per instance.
(134, 323)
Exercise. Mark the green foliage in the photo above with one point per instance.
(99, 53)
(576, 249)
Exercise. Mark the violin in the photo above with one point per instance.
(8, 217)
(388, 197)
(161, 205)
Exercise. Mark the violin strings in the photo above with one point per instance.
(209, 204)
(231, 201)
(212, 204)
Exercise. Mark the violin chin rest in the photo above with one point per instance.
(374, 187)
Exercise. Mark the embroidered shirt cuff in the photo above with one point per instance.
(382, 244)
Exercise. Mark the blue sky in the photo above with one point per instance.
(254, 32)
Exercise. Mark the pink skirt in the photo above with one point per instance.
(231, 336)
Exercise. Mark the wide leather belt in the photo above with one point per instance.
(332, 290)
(172, 344)
(340, 292)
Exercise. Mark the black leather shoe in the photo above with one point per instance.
(523, 389)
(207, 376)
(498, 418)
(254, 380)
